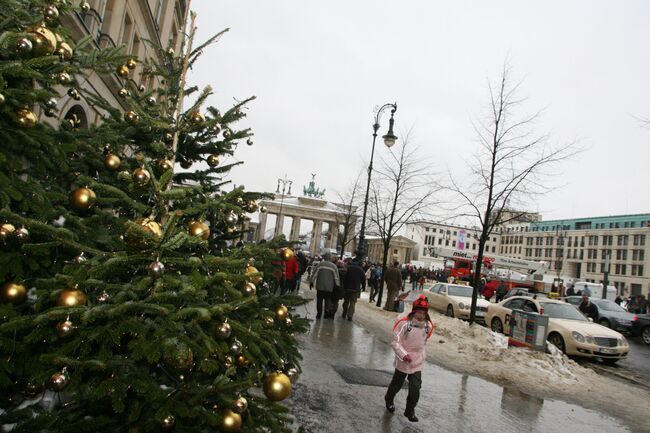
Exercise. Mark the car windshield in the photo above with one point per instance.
(465, 291)
(608, 305)
(562, 311)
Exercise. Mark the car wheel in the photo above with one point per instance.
(645, 335)
(450, 311)
(496, 325)
(556, 340)
(605, 323)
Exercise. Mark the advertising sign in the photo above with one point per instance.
(528, 330)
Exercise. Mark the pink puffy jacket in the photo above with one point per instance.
(409, 338)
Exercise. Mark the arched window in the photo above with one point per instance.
(77, 117)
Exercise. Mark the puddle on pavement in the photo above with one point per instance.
(324, 402)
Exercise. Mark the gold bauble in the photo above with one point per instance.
(228, 361)
(51, 14)
(281, 312)
(269, 321)
(150, 225)
(64, 78)
(64, 51)
(44, 40)
(213, 160)
(250, 289)
(199, 229)
(256, 279)
(240, 405)
(286, 253)
(242, 361)
(262, 209)
(26, 118)
(131, 63)
(123, 92)
(122, 71)
(231, 422)
(131, 117)
(83, 198)
(252, 206)
(135, 241)
(13, 293)
(112, 162)
(165, 164)
(71, 298)
(224, 330)
(168, 423)
(197, 118)
(141, 176)
(277, 386)
(9, 228)
(58, 381)
(84, 6)
(65, 329)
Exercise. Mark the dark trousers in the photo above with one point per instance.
(415, 383)
(326, 298)
(374, 289)
(349, 303)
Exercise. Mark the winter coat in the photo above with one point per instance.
(354, 278)
(589, 310)
(291, 268)
(409, 338)
(326, 277)
(393, 279)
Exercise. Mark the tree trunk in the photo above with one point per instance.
(384, 267)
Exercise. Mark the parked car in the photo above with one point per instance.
(610, 314)
(568, 329)
(523, 291)
(641, 327)
(455, 300)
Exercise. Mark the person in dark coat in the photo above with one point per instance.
(588, 308)
(353, 281)
(501, 291)
(393, 285)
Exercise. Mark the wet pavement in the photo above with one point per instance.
(346, 370)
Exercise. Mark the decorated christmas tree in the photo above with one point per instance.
(128, 300)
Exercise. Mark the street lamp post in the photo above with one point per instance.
(389, 141)
(285, 181)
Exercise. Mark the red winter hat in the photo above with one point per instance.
(421, 303)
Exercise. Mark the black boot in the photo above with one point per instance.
(390, 407)
(411, 416)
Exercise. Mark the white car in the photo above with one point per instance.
(455, 300)
(568, 329)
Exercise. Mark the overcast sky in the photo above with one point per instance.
(319, 69)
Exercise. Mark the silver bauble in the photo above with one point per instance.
(293, 374)
(156, 269)
(232, 218)
(236, 347)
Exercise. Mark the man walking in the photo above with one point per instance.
(353, 282)
(393, 285)
(325, 278)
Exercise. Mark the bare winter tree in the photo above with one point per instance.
(402, 190)
(510, 167)
(351, 199)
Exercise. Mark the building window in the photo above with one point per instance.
(395, 251)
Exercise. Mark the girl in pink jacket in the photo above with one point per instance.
(410, 335)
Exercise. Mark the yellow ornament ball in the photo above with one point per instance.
(123, 71)
(197, 118)
(131, 63)
(112, 162)
(277, 386)
(231, 422)
(6, 231)
(131, 117)
(71, 298)
(26, 118)
(83, 198)
(13, 293)
(213, 160)
(250, 270)
(44, 40)
(141, 176)
(165, 164)
(286, 254)
(64, 51)
(249, 289)
(281, 312)
(199, 229)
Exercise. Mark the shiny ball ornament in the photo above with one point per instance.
(24, 46)
(50, 113)
(123, 92)
(224, 330)
(165, 164)
(281, 313)
(150, 101)
(186, 164)
(13, 293)
(232, 218)
(286, 254)
(240, 405)
(269, 321)
(231, 422)
(44, 40)
(141, 176)
(141, 88)
(250, 289)
(65, 329)
(169, 137)
(293, 374)
(239, 201)
(131, 63)
(80, 259)
(83, 198)
(227, 134)
(74, 94)
(236, 347)
(262, 209)
(228, 361)
(64, 51)
(58, 381)
(26, 118)
(122, 71)
(168, 423)
(277, 386)
(51, 14)
(84, 6)
(131, 117)
(250, 270)
(6, 232)
(150, 225)
(51, 103)
(124, 175)
(112, 162)
(71, 298)
(22, 234)
(156, 269)
(64, 78)
(251, 206)
(199, 229)
(170, 51)
(213, 160)
(103, 297)
(2, 99)
(249, 142)
(242, 361)
(288, 322)
(197, 118)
